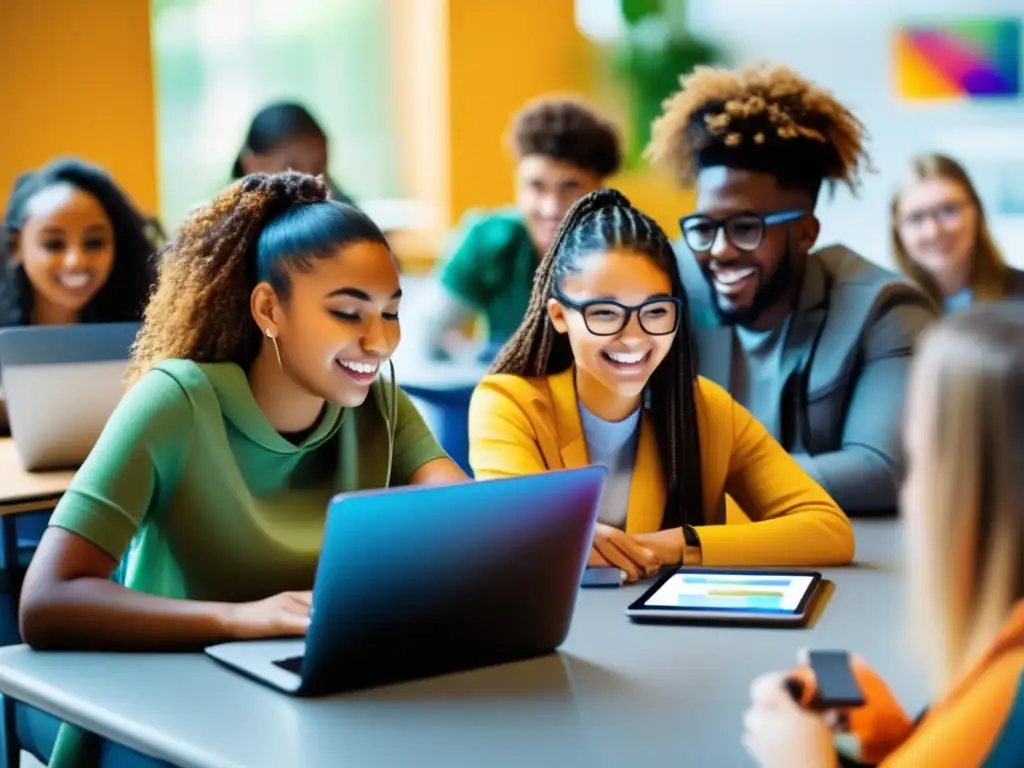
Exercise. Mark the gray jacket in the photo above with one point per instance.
(844, 362)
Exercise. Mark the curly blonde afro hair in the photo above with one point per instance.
(761, 118)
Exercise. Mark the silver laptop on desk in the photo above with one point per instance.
(61, 383)
(420, 581)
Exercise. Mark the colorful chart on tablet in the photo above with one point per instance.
(732, 592)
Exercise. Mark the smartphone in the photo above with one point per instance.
(837, 687)
(603, 576)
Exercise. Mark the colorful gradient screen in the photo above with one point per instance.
(732, 592)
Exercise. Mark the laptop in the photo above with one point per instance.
(61, 383)
(420, 581)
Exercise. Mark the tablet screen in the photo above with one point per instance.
(733, 592)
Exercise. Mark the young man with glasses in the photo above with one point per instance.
(815, 343)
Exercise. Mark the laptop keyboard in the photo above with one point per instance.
(292, 664)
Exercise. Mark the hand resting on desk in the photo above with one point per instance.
(283, 615)
(69, 602)
(619, 549)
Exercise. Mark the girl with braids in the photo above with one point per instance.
(962, 504)
(602, 370)
(254, 397)
(75, 249)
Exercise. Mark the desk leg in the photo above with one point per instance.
(12, 583)
(12, 749)
(12, 563)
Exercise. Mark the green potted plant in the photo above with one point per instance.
(655, 50)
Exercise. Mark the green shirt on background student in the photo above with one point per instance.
(491, 270)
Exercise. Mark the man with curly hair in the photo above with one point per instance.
(816, 343)
(563, 150)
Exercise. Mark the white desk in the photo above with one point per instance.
(619, 694)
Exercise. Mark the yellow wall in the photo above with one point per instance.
(501, 54)
(77, 79)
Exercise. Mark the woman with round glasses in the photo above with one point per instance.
(941, 239)
(602, 371)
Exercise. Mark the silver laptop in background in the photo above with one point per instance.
(61, 383)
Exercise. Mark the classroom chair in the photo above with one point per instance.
(446, 411)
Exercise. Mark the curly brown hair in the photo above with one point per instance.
(567, 130)
(200, 309)
(762, 117)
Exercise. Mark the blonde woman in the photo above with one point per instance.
(941, 240)
(963, 504)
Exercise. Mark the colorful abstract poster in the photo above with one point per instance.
(961, 59)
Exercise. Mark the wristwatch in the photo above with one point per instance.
(690, 536)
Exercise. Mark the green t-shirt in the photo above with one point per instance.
(199, 497)
(491, 268)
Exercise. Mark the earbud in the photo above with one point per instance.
(269, 334)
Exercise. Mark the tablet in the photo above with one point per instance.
(701, 595)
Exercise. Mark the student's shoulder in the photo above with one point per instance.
(500, 393)
(517, 387)
(159, 406)
(192, 378)
(714, 400)
(855, 279)
(181, 385)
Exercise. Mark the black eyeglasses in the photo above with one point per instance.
(604, 317)
(744, 231)
(946, 213)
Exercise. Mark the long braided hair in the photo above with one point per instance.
(601, 221)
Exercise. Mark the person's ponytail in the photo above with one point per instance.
(200, 308)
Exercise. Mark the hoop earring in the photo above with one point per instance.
(277, 349)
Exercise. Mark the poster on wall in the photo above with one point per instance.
(956, 60)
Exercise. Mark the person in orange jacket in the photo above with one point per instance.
(963, 504)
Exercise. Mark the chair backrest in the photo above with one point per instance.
(446, 412)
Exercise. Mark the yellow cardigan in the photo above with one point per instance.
(522, 426)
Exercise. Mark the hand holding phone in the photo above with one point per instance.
(837, 688)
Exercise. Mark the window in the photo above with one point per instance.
(216, 62)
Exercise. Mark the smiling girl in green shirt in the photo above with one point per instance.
(255, 396)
